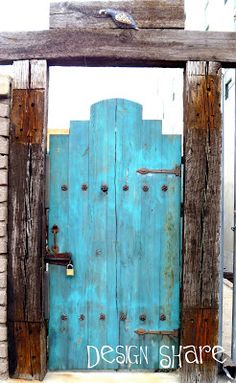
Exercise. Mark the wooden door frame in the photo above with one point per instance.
(201, 54)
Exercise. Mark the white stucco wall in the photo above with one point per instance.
(4, 134)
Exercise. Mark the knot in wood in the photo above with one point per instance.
(125, 35)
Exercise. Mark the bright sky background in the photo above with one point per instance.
(73, 90)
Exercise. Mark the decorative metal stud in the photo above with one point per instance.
(145, 188)
(102, 317)
(143, 317)
(126, 187)
(123, 316)
(84, 187)
(162, 317)
(64, 187)
(63, 317)
(82, 317)
(164, 188)
(104, 188)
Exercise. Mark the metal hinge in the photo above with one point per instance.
(141, 331)
(176, 171)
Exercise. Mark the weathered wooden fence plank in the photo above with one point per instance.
(27, 341)
(147, 13)
(169, 48)
(201, 242)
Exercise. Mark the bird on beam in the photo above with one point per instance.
(122, 19)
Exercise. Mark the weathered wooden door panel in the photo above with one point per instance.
(147, 230)
(124, 241)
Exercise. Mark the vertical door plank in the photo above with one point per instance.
(169, 216)
(59, 289)
(128, 209)
(150, 237)
(79, 228)
(101, 287)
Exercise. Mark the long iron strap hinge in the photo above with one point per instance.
(176, 171)
(173, 333)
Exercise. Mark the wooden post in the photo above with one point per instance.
(26, 327)
(202, 193)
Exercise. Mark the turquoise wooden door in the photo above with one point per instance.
(122, 226)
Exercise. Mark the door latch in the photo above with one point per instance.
(55, 257)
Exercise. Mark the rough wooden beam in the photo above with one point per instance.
(147, 13)
(27, 359)
(202, 193)
(26, 330)
(169, 48)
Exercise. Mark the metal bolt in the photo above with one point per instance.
(162, 317)
(63, 317)
(143, 317)
(84, 187)
(102, 317)
(104, 188)
(123, 316)
(145, 188)
(126, 187)
(164, 188)
(82, 317)
(64, 187)
(55, 229)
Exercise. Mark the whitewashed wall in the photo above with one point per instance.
(5, 85)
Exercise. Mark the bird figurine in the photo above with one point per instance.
(122, 19)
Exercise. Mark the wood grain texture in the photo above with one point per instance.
(203, 144)
(21, 74)
(202, 192)
(200, 328)
(25, 217)
(27, 115)
(26, 228)
(39, 75)
(27, 356)
(169, 48)
(148, 14)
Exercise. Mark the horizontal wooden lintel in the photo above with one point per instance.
(165, 48)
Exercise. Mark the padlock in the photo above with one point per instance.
(70, 272)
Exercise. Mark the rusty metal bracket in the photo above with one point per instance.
(61, 259)
(176, 171)
(173, 333)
